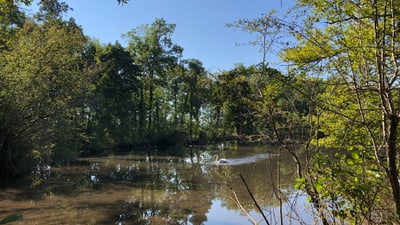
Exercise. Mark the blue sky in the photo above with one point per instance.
(200, 25)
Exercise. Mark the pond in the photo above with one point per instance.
(149, 187)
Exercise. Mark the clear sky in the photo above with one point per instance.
(200, 25)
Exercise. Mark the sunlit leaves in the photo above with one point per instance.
(314, 49)
(352, 45)
(42, 61)
(41, 83)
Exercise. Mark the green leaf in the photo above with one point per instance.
(300, 182)
(355, 155)
(318, 186)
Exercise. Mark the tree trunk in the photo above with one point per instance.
(150, 105)
(141, 111)
(392, 170)
(8, 170)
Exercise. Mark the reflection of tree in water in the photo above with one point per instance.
(165, 191)
(261, 177)
(174, 191)
(150, 189)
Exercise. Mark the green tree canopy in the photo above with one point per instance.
(152, 48)
(40, 82)
(354, 45)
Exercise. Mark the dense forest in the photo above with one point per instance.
(64, 95)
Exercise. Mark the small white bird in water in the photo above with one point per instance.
(220, 160)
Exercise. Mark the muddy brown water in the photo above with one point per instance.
(152, 188)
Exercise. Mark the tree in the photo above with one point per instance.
(267, 28)
(354, 43)
(194, 94)
(152, 48)
(113, 104)
(235, 93)
(40, 84)
(52, 9)
(11, 18)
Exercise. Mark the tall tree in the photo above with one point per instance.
(52, 9)
(152, 48)
(194, 93)
(113, 104)
(235, 92)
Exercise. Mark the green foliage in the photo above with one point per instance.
(111, 107)
(41, 83)
(52, 9)
(349, 186)
(351, 44)
(143, 85)
(152, 48)
(194, 94)
(235, 96)
(10, 19)
(352, 110)
(342, 121)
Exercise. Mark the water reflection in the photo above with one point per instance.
(176, 190)
(149, 188)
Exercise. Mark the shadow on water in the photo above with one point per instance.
(154, 188)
